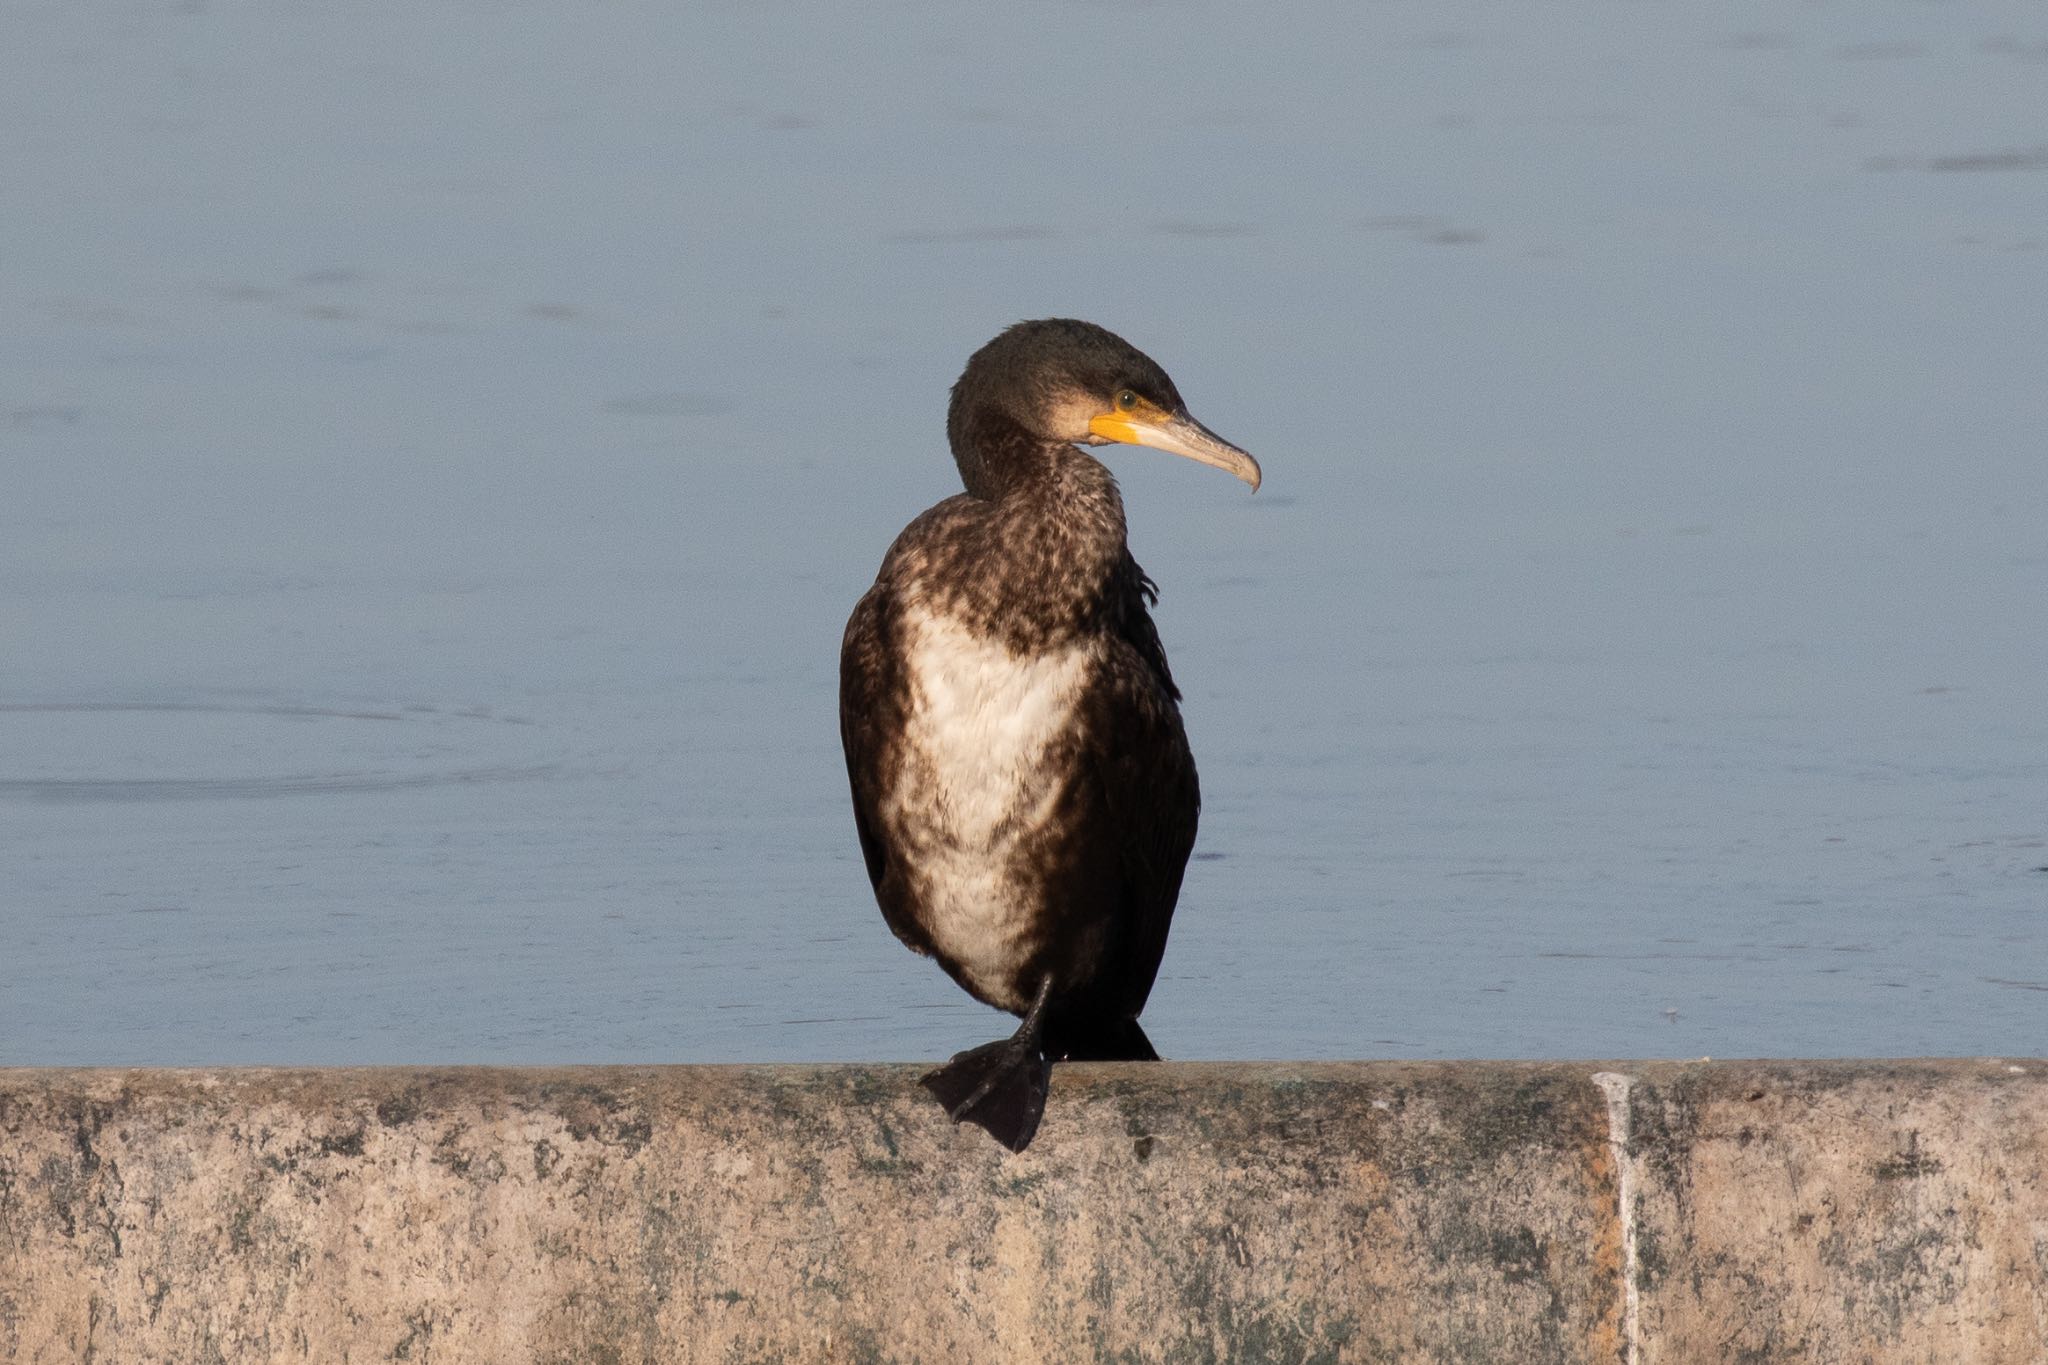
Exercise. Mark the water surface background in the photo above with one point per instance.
(439, 448)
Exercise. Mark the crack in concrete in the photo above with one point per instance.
(1618, 1089)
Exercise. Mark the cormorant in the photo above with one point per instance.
(1022, 785)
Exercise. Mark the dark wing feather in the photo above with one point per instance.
(873, 706)
(1146, 774)
(1135, 589)
(864, 666)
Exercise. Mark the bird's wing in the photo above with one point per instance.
(868, 704)
(1146, 775)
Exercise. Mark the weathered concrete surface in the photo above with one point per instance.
(1842, 1212)
(1495, 1212)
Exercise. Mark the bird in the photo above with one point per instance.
(1023, 791)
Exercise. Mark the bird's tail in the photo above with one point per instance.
(1118, 1040)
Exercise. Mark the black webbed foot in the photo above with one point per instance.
(1000, 1086)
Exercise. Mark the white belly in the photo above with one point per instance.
(974, 785)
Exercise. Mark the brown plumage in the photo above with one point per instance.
(1022, 786)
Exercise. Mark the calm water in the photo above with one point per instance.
(438, 451)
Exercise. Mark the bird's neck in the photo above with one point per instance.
(1066, 522)
(1050, 549)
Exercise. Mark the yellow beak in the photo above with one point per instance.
(1177, 434)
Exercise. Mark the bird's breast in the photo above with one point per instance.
(979, 779)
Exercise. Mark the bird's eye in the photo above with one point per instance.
(1127, 400)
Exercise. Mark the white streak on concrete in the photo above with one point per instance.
(1628, 1173)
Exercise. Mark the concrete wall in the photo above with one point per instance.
(1486, 1212)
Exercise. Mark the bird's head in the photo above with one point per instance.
(1060, 380)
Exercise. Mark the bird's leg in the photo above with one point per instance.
(1001, 1085)
(1024, 1044)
